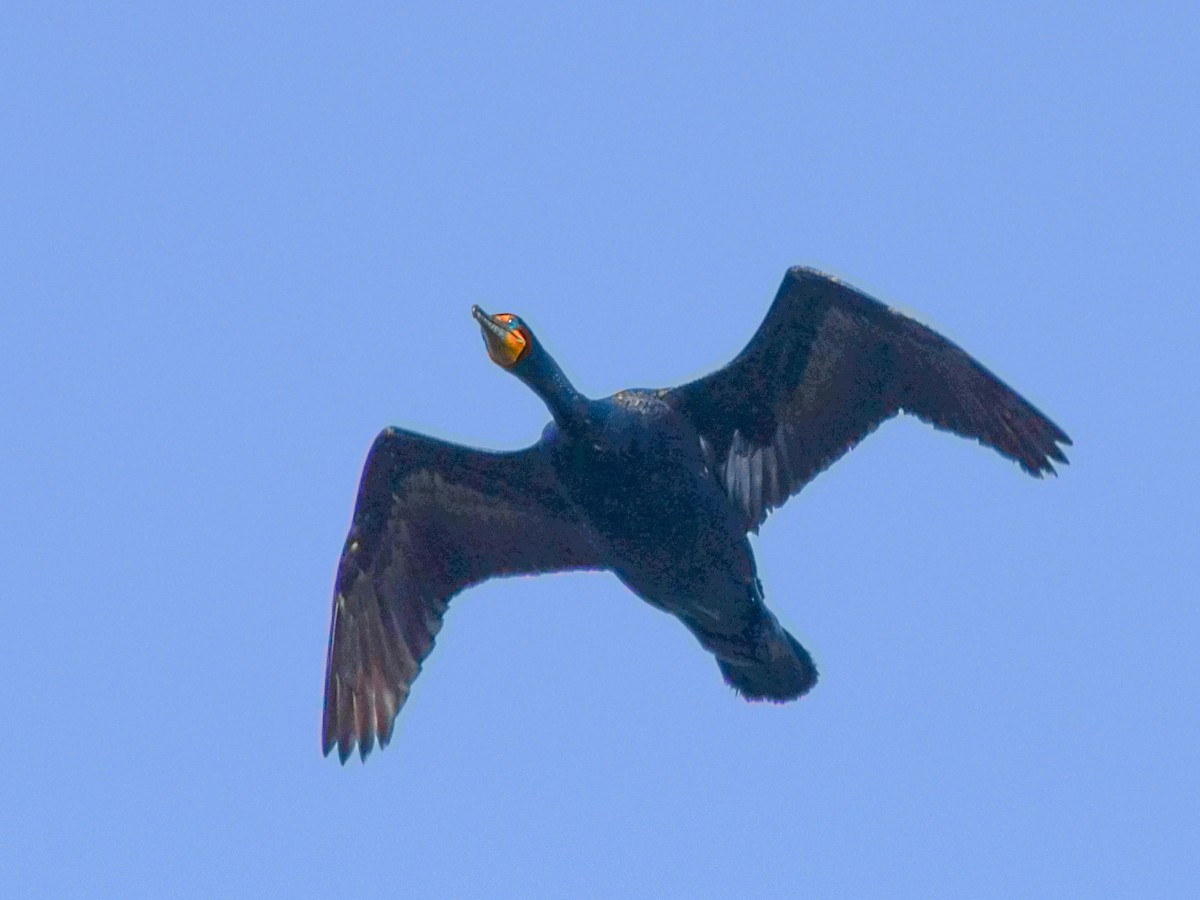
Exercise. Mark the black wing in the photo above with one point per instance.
(825, 368)
(431, 519)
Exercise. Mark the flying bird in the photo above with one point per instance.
(660, 487)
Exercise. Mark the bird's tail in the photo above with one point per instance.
(771, 665)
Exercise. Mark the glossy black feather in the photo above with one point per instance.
(431, 519)
(827, 366)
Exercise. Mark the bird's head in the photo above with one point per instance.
(512, 347)
(509, 341)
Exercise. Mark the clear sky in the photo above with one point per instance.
(239, 239)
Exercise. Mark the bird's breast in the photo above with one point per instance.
(637, 483)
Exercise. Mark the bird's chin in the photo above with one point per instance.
(500, 355)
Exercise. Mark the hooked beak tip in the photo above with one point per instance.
(491, 330)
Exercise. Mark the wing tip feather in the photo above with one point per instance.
(363, 738)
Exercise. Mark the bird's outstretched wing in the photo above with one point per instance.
(431, 519)
(825, 368)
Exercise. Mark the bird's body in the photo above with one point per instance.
(660, 487)
(636, 475)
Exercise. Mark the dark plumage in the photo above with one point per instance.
(661, 487)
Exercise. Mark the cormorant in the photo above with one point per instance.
(660, 487)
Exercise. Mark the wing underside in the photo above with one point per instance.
(827, 366)
(431, 519)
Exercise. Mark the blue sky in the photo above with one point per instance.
(239, 240)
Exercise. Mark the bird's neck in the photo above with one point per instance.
(567, 405)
